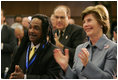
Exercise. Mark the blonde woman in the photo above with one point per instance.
(97, 58)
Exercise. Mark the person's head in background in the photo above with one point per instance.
(71, 21)
(95, 21)
(25, 22)
(2, 16)
(62, 15)
(53, 21)
(19, 31)
(18, 19)
(115, 34)
(113, 25)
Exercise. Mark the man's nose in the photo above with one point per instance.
(59, 19)
(31, 30)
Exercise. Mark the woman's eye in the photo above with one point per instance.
(89, 20)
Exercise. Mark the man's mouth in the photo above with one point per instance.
(32, 36)
(59, 24)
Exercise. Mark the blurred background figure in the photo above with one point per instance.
(18, 19)
(71, 21)
(19, 32)
(25, 23)
(115, 34)
(39, 7)
(8, 43)
(53, 21)
(113, 30)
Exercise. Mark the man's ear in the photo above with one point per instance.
(4, 18)
(68, 16)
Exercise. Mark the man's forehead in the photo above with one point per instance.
(36, 21)
(62, 9)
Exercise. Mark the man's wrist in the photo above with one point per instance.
(62, 46)
(65, 68)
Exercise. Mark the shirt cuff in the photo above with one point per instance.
(1, 46)
(25, 76)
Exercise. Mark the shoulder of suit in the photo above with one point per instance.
(111, 43)
(75, 27)
(7, 27)
(51, 46)
(49, 50)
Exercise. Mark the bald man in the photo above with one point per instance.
(70, 35)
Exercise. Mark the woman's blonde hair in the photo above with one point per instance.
(101, 14)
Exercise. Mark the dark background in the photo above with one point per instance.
(29, 8)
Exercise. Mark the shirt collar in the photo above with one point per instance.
(1, 26)
(37, 46)
(100, 43)
(62, 30)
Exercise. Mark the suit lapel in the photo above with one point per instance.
(3, 32)
(102, 47)
(102, 53)
(66, 35)
(39, 52)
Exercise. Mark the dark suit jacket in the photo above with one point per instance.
(9, 42)
(74, 35)
(44, 66)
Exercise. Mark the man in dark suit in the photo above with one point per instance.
(8, 43)
(71, 35)
(42, 64)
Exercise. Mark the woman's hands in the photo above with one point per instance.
(63, 60)
(84, 56)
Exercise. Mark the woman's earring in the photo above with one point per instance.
(101, 26)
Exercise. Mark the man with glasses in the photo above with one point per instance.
(70, 35)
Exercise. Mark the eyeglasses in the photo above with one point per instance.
(61, 17)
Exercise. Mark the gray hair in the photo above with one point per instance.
(17, 25)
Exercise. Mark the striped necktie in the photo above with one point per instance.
(32, 52)
(61, 35)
